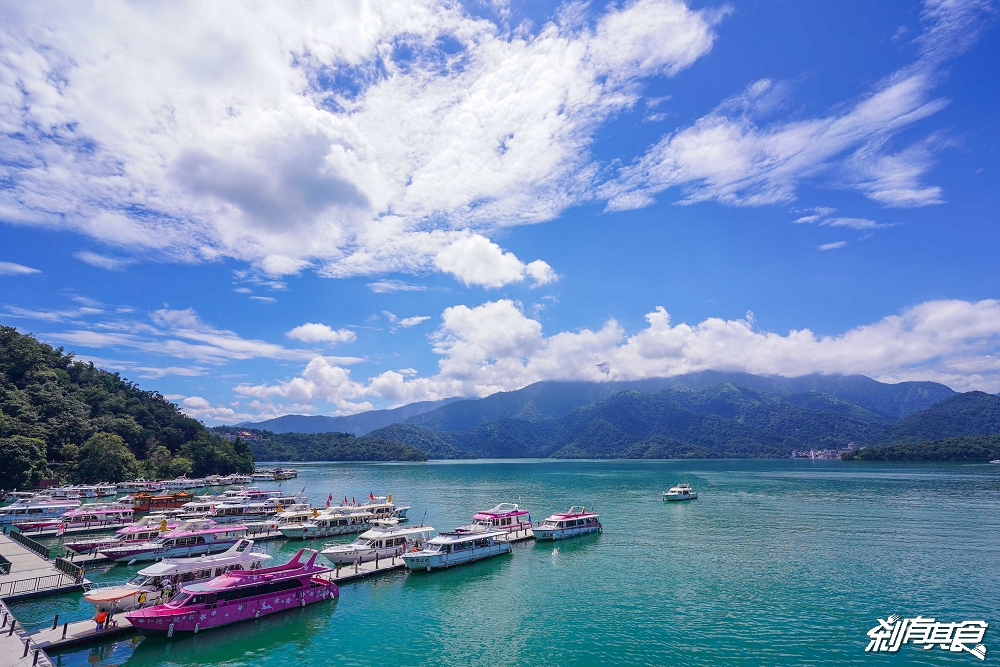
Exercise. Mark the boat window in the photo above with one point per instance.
(201, 540)
(137, 580)
(179, 600)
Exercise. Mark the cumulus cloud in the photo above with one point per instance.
(311, 332)
(496, 347)
(318, 135)
(13, 269)
(731, 157)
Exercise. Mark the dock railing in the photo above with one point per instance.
(69, 568)
(9, 588)
(29, 543)
(4, 565)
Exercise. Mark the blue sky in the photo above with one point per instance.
(260, 211)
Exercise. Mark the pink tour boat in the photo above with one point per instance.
(145, 530)
(506, 517)
(577, 521)
(238, 596)
(191, 538)
(85, 516)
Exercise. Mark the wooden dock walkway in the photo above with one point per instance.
(80, 632)
(28, 575)
(13, 640)
(518, 536)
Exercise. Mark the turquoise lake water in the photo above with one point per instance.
(779, 562)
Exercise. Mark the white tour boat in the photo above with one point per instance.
(168, 574)
(384, 541)
(35, 508)
(449, 549)
(330, 523)
(577, 521)
(680, 492)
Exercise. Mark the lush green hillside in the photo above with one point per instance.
(268, 446)
(63, 417)
(972, 413)
(978, 448)
(722, 420)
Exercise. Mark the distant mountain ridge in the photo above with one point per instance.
(720, 420)
(358, 424)
(545, 400)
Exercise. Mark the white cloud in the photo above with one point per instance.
(832, 246)
(52, 315)
(102, 261)
(408, 322)
(730, 157)
(199, 132)
(311, 332)
(173, 333)
(859, 224)
(496, 347)
(13, 269)
(386, 286)
(264, 299)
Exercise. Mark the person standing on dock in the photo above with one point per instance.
(102, 617)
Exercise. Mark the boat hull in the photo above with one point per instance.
(677, 498)
(315, 532)
(361, 555)
(423, 561)
(227, 613)
(144, 554)
(563, 533)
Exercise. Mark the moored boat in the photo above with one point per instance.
(191, 538)
(454, 548)
(147, 502)
(145, 530)
(93, 514)
(330, 523)
(680, 492)
(238, 596)
(161, 579)
(35, 508)
(508, 517)
(382, 541)
(577, 521)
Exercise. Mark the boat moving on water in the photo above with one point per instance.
(238, 596)
(153, 580)
(449, 549)
(577, 521)
(680, 492)
(385, 541)
(191, 538)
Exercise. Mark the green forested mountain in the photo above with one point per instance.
(972, 413)
(66, 418)
(268, 446)
(721, 420)
(548, 400)
(976, 448)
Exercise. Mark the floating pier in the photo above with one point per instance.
(16, 649)
(65, 635)
(95, 527)
(26, 574)
(518, 536)
(370, 568)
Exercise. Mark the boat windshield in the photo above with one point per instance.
(179, 600)
(434, 547)
(139, 580)
(550, 524)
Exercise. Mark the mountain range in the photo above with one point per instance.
(707, 414)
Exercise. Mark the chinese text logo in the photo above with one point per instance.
(890, 634)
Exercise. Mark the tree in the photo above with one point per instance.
(22, 461)
(105, 458)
